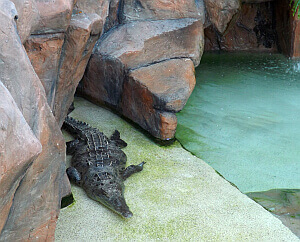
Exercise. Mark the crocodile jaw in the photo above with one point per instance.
(113, 200)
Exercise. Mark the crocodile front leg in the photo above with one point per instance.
(132, 169)
(74, 175)
(71, 146)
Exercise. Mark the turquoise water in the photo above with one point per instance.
(243, 119)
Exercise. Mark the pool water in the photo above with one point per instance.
(243, 119)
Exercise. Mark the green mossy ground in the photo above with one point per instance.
(177, 197)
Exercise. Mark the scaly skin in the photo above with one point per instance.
(98, 165)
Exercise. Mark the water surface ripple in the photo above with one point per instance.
(243, 118)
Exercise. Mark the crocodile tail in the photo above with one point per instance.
(75, 127)
(115, 138)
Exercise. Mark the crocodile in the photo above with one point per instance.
(98, 165)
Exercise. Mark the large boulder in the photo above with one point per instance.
(154, 93)
(36, 201)
(144, 42)
(136, 45)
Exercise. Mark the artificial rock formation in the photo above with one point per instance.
(134, 10)
(15, 136)
(82, 34)
(288, 29)
(221, 12)
(148, 33)
(147, 101)
(37, 182)
(44, 53)
(133, 46)
(252, 29)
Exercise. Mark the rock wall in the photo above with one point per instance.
(288, 29)
(260, 25)
(253, 29)
(32, 147)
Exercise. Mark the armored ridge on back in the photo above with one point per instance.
(98, 165)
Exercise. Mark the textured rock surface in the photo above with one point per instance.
(54, 16)
(106, 9)
(152, 94)
(140, 43)
(170, 83)
(81, 37)
(253, 29)
(156, 9)
(288, 30)
(137, 44)
(36, 202)
(221, 12)
(28, 17)
(44, 54)
(42, 16)
(18, 148)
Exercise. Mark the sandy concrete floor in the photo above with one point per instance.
(177, 197)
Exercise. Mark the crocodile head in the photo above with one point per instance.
(110, 193)
(113, 198)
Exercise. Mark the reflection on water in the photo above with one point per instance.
(243, 119)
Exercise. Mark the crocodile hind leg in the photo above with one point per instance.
(132, 169)
(74, 175)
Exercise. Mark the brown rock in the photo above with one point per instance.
(140, 43)
(103, 80)
(36, 201)
(44, 53)
(137, 104)
(288, 29)
(18, 149)
(170, 83)
(113, 15)
(296, 42)
(106, 9)
(137, 44)
(42, 16)
(221, 12)
(82, 34)
(152, 94)
(100, 7)
(54, 16)
(28, 17)
(253, 29)
(156, 10)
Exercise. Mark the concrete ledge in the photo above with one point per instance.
(177, 197)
